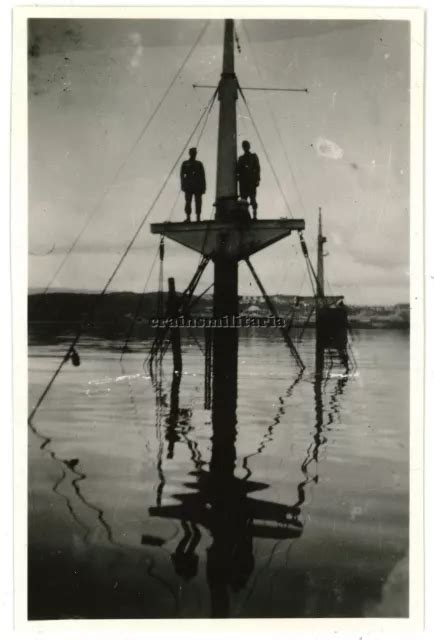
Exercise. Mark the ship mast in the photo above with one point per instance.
(227, 132)
(321, 240)
(232, 237)
(226, 267)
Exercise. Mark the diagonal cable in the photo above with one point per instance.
(123, 164)
(273, 118)
(258, 133)
(139, 305)
(76, 338)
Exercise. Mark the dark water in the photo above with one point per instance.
(128, 520)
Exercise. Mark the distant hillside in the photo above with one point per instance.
(58, 312)
(73, 307)
(107, 315)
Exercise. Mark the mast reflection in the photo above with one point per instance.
(220, 502)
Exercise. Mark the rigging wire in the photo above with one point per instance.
(160, 301)
(311, 280)
(306, 323)
(139, 305)
(192, 335)
(127, 157)
(160, 344)
(258, 133)
(196, 300)
(71, 349)
(278, 135)
(205, 122)
(152, 206)
(199, 138)
(273, 118)
(159, 249)
(311, 271)
(299, 195)
(175, 202)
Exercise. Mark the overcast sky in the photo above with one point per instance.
(343, 146)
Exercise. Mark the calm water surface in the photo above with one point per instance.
(127, 521)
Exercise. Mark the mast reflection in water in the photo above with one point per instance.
(142, 504)
(220, 501)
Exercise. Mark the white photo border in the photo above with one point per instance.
(19, 240)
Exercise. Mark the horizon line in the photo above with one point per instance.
(40, 291)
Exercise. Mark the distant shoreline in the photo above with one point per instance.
(117, 311)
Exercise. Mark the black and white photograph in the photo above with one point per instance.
(220, 317)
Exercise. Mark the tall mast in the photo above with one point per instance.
(229, 238)
(320, 259)
(227, 132)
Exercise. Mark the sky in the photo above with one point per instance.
(343, 146)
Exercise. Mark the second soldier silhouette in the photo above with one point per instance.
(248, 176)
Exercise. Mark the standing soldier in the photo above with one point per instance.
(248, 176)
(193, 183)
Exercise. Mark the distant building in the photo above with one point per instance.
(250, 299)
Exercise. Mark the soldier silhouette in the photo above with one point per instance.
(248, 176)
(193, 183)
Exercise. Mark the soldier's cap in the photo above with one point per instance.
(192, 150)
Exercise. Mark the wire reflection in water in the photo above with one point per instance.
(320, 382)
(291, 436)
(220, 502)
(68, 469)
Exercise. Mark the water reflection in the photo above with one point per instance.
(219, 501)
(250, 517)
(70, 472)
(321, 380)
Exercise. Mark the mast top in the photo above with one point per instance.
(228, 49)
(231, 233)
(226, 188)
